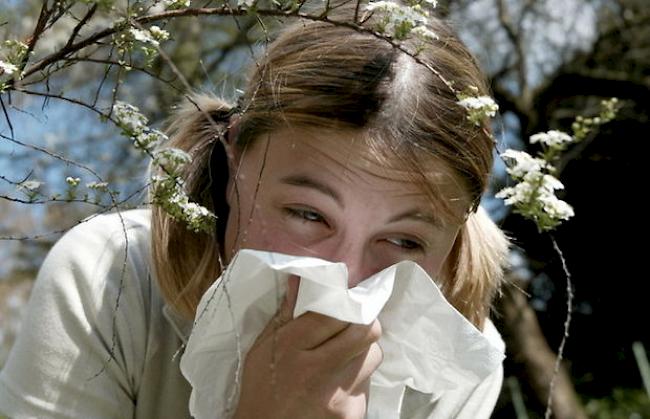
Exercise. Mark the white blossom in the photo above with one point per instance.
(551, 183)
(7, 68)
(129, 118)
(521, 193)
(521, 163)
(424, 33)
(158, 34)
(30, 185)
(168, 193)
(17, 48)
(553, 138)
(384, 6)
(134, 125)
(171, 159)
(196, 216)
(246, 3)
(556, 208)
(398, 20)
(175, 4)
(478, 102)
(534, 197)
(479, 108)
(13, 52)
(72, 181)
(143, 35)
(167, 189)
(98, 186)
(148, 139)
(532, 183)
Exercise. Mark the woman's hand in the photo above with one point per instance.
(313, 366)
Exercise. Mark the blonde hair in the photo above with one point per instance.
(322, 75)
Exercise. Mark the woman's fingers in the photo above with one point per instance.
(289, 302)
(351, 342)
(311, 330)
(354, 377)
(349, 385)
(312, 365)
(285, 313)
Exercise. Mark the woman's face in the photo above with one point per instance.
(318, 194)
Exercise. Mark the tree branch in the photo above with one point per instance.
(515, 38)
(79, 25)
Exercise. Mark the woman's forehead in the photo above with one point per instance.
(356, 151)
(353, 157)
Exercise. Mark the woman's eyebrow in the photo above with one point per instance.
(305, 181)
(417, 215)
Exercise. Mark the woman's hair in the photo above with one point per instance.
(321, 75)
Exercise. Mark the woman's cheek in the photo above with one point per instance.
(272, 234)
(297, 237)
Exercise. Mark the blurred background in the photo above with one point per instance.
(549, 61)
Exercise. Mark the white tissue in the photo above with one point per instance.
(427, 344)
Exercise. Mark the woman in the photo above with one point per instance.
(342, 148)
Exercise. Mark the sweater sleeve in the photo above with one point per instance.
(82, 341)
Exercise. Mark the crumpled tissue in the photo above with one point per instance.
(428, 345)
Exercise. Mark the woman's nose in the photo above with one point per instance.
(358, 261)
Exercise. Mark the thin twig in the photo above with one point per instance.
(79, 25)
(43, 16)
(66, 99)
(565, 336)
(50, 201)
(114, 205)
(54, 155)
(225, 10)
(6, 114)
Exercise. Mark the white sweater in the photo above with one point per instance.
(85, 353)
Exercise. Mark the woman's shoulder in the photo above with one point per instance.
(101, 257)
(114, 227)
(104, 237)
(93, 337)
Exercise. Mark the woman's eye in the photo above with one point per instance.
(405, 243)
(306, 215)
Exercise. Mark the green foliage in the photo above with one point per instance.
(622, 404)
